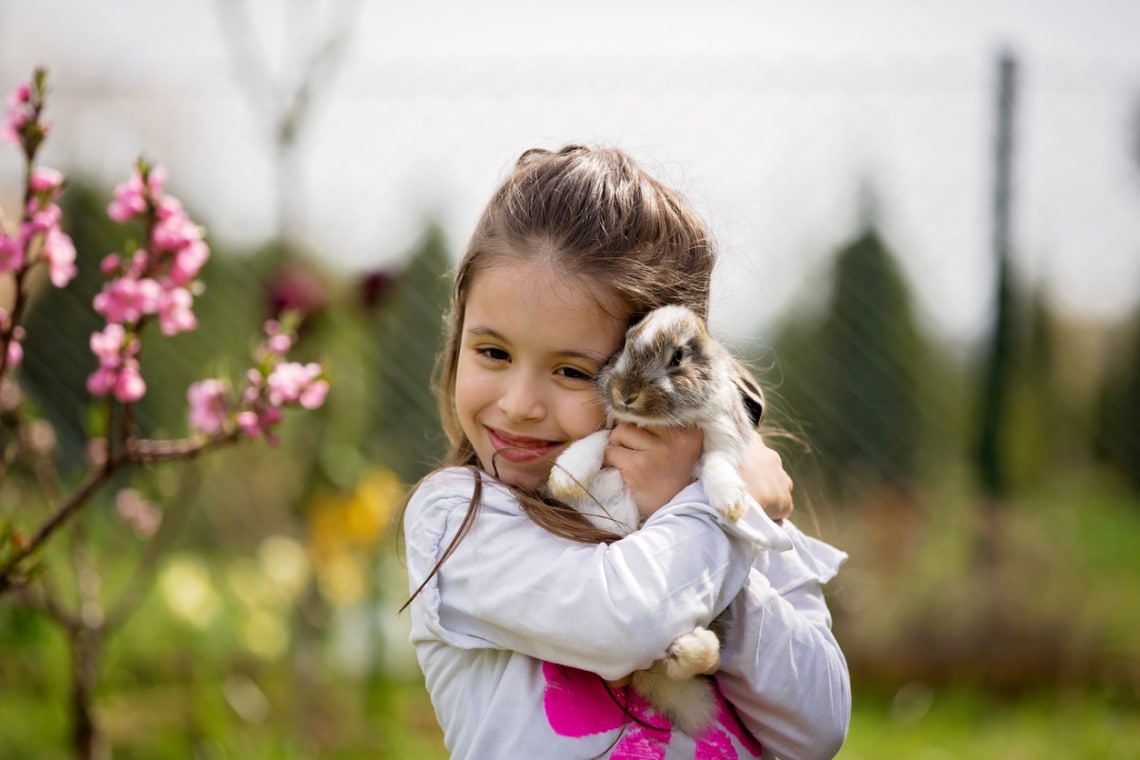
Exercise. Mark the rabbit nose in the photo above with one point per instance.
(626, 400)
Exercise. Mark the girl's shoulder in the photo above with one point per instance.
(449, 487)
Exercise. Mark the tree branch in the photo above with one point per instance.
(140, 451)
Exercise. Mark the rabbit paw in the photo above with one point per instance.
(693, 654)
(563, 485)
(735, 510)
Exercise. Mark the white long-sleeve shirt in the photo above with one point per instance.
(515, 629)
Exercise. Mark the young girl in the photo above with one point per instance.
(525, 618)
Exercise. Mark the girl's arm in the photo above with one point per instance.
(609, 609)
(781, 667)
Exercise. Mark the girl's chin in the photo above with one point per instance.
(530, 479)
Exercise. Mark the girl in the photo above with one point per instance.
(525, 618)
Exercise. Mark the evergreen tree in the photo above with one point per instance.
(851, 381)
(1117, 421)
(871, 344)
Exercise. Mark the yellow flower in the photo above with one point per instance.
(343, 528)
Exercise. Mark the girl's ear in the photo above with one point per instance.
(750, 393)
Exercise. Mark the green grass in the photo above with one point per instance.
(922, 725)
(170, 690)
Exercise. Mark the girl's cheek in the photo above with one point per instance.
(591, 416)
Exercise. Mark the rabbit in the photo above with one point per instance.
(671, 372)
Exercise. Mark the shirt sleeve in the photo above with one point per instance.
(781, 667)
(606, 608)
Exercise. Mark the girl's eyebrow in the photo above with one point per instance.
(580, 353)
(486, 332)
(586, 354)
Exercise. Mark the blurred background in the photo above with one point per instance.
(929, 224)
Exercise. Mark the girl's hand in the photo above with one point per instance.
(766, 480)
(655, 463)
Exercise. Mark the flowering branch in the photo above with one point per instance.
(156, 282)
(39, 238)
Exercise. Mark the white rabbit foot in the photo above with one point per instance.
(577, 466)
(693, 654)
(564, 485)
(724, 488)
(731, 502)
(734, 511)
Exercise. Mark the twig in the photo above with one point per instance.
(142, 451)
(64, 513)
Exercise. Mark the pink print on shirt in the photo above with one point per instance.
(577, 704)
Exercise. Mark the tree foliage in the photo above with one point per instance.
(852, 380)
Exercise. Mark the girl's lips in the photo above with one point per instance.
(520, 448)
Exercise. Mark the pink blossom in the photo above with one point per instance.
(118, 370)
(127, 300)
(43, 218)
(102, 380)
(266, 421)
(45, 180)
(10, 129)
(129, 385)
(313, 395)
(174, 231)
(17, 115)
(15, 348)
(279, 344)
(208, 407)
(156, 181)
(253, 389)
(289, 379)
(130, 199)
(108, 345)
(255, 423)
(137, 512)
(11, 254)
(140, 260)
(110, 263)
(60, 254)
(270, 416)
(174, 314)
(188, 261)
(249, 423)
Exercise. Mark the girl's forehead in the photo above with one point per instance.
(548, 310)
(541, 283)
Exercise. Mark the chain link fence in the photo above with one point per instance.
(806, 167)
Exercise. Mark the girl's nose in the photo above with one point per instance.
(522, 399)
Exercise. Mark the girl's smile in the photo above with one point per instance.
(515, 448)
(534, 339)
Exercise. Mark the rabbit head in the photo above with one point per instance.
(671, 372)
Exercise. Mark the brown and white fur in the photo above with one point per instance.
(671, 372)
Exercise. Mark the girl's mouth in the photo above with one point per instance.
(520, 449)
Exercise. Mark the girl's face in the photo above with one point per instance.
(533, 341)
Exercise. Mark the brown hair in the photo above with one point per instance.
(597, 215)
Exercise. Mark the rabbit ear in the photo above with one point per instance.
(750, 393)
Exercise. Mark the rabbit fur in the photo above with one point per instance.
(671, 372)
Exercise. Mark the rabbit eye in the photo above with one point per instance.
(678, 357)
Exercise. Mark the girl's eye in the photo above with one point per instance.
(573, 373)
(493, 353)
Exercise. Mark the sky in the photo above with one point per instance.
(774, 118)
